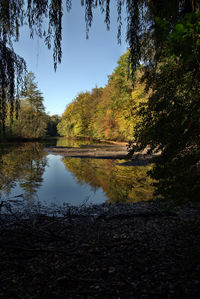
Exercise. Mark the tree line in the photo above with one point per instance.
(30, 120)
(109, 113)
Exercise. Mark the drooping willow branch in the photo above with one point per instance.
(12, 71)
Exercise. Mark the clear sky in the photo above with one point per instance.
(85, 63)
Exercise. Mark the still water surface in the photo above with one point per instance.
(28, 172)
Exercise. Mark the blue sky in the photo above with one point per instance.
(85, 63)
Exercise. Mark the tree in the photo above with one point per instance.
(30, 123)
(31, 94)
(32, 120)
(79, 117)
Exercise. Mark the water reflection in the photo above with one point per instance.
(120, 183)
(26, 169)
(22, 166)
(63, 141)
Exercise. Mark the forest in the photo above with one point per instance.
(30, 121)
(109, 113)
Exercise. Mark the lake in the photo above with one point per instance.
(27, 171)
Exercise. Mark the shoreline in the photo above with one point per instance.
(113, 151)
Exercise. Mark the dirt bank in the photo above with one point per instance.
(111, 151)
(106, 251)
(91, 151)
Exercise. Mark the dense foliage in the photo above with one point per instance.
(106, 113)
(31, 121)
(171, 118)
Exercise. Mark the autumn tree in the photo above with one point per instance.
(111, 112)
(79, 117)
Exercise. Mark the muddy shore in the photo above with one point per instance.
(110, 151)
(106, 251)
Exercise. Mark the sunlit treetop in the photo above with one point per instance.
(144, 21)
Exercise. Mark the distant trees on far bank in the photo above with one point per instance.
(106, 113)
(31, 121)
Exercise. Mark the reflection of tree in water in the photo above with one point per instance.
(65, 141)
(24, 164)
(121, 184)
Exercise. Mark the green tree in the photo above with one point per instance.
(30, 123)
(31, 94)
(32, 120)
